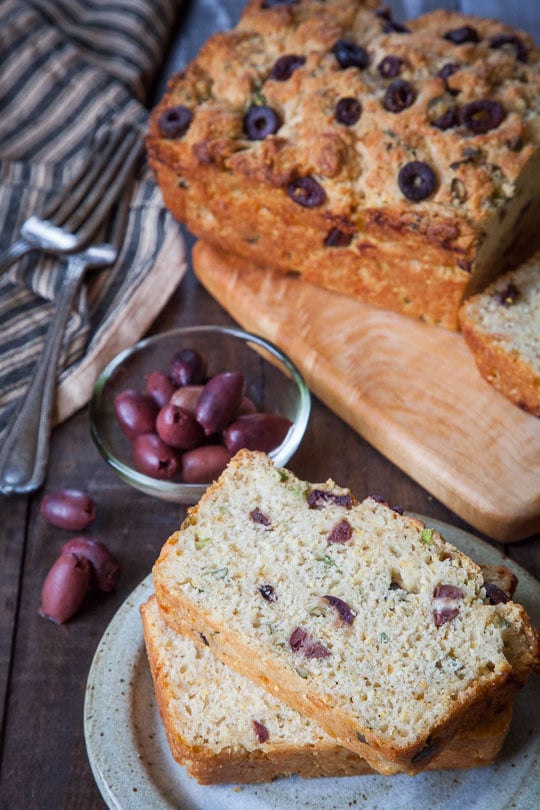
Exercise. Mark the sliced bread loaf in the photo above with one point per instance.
(362, 619)
(224, 728)
(501, 326)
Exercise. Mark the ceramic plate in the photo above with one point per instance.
(134, 769)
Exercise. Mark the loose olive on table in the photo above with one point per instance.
(83, 561)
(68, 509)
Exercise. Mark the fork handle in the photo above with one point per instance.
(24, 456)
(13, 252)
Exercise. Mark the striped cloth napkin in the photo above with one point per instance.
(69, 70)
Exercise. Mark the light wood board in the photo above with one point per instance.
(410, 389)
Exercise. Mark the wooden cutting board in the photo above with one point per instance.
(410, 389)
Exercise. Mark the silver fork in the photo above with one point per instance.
(24, 456)
(73, 217)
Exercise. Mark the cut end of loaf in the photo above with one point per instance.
(502, 329)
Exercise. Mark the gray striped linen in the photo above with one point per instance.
(69, 71)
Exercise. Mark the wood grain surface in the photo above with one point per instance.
(410, 389)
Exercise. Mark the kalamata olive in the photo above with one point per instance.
(393, 26)
(105, 564)
(510, 43)
(442, 113)
(247, 406)
(153, 457)
(508, 295)
(65, 587)
(481, 115)
(187, 367)
(187, 397)
(256, 431)
(285, 67)
(416, 180)
(458, 36)
(495, 595)
(220, 400)
(399, 95)
(178, 428)
(390, 66)
(306, 191)
(135, 412)
(447, 70)
(390, 25)
(159, 387)
(69, 509)
(447, 120)
(347, 111)
(204, 464)
(174, 122)
(338, 237)
(261, 121)
(350, 54)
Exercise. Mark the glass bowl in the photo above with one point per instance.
(272, 381)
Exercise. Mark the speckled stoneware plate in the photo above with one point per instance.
(134, 769)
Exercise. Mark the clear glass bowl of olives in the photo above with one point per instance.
(168, 413)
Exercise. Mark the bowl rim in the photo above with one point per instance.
(164, 487)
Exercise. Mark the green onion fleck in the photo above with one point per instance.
(327, 560)
(219, 573)
(302, 672)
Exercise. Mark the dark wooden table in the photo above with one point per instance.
(43, 667)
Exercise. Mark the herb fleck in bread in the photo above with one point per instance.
(224, 728)
(400, 165)
(502, 329)
(362, 619)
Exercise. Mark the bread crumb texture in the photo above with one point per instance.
(223, 727)
(502, 328)
(370, 609)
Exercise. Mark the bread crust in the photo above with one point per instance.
(474, 747)
(508, 373)
(422, 257)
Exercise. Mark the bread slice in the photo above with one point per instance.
(224, 728)
(501, 326)
(362, 619)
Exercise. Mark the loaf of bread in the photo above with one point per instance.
(398, 164)
(224, 728)
(358, 617)
(502, 329)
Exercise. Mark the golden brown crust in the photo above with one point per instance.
(508, 373)
(418, 257)
(473, 748)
